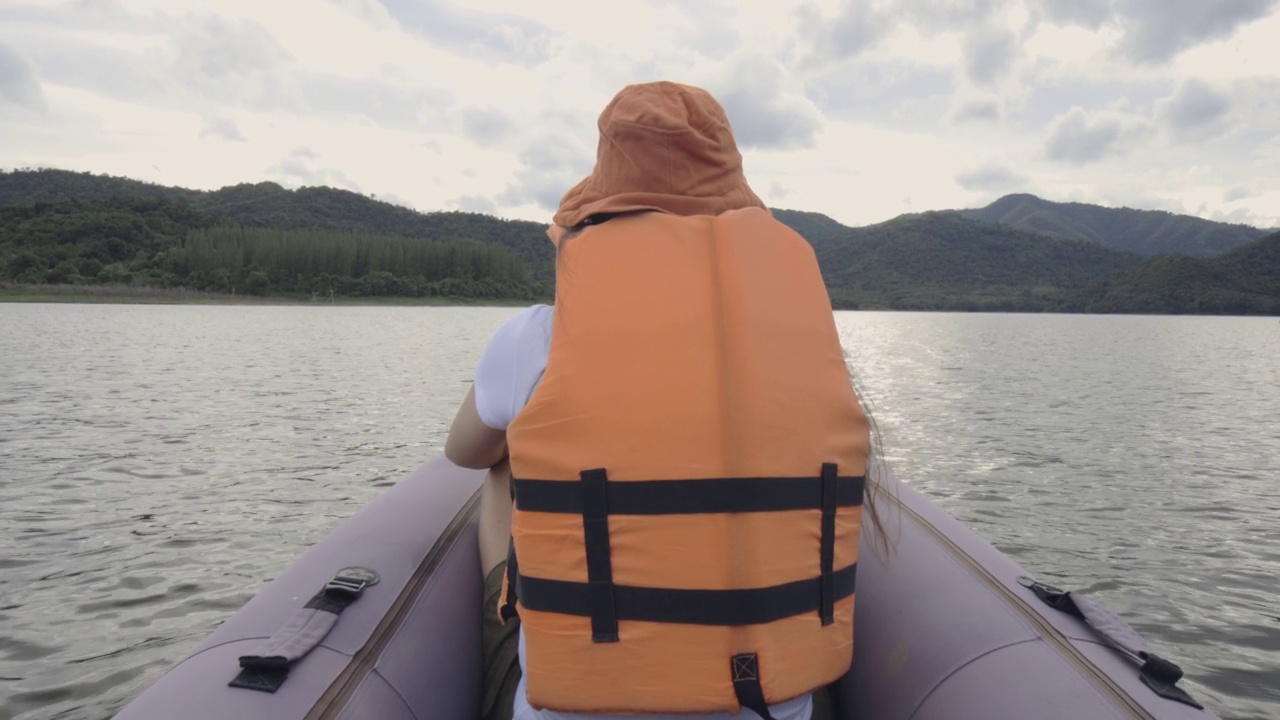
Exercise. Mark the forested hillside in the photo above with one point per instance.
(1245, 281)
(64, 227)
(155, 242)
(268, 205)
(945, 262)
(1145, 232)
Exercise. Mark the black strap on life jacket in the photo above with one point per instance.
(595, 498)
(754, 606)
(746, 684)
(508, 609)
(595, 529)
(696, 497)
(827, 599)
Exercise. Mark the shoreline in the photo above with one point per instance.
(127, 295)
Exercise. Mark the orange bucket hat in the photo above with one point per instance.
(663, 146)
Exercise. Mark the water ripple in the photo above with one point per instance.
(1138, 457)
(161, 463)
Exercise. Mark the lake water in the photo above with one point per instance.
(159, 464)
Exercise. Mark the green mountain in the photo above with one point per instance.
(268, 205)
(821, 231)
(24, 187)
(155, 241)
(1245, 281)
(941, 261)
(1145, 232)
(58, 226)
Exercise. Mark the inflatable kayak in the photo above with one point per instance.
(381, 619)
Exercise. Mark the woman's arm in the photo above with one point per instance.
(471, 443)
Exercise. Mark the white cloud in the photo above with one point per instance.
(982, 111)
(1195, 109)
(486, 126)
(860, 109)
(1077, 138)
(475, 203)
(19, 84)
(894, 93)
(294, 172)
(989, 54)
(1239, 192)
(222, 127)
(1081, 137)
(767, 109)
(992, 177)
(1156, 31)
(854, 29)
(935, 16)
(509, 36)
(1091, 14)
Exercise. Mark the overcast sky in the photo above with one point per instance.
(860, 109)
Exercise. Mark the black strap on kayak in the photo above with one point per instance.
(1156, 673)
(267, 667)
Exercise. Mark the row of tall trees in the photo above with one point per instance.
(168, 244)
(336, 262)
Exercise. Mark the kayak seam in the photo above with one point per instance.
(347, 683)
(391, 686)
(202, 651)
(430, 582)
(964, 665)
(224, 643)
(417, 584)
(1099, 680)
(395, 690)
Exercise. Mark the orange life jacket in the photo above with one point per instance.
(688, 476)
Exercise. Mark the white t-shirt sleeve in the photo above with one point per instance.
(512, 365)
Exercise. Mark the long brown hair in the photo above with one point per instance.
(877, 473)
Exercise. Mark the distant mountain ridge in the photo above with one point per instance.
(267, 204)
(1245, 281)
(1145, 232)
(942, 261)
(1027, 255)
(22, 187)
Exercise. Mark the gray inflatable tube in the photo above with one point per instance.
(947, 628)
